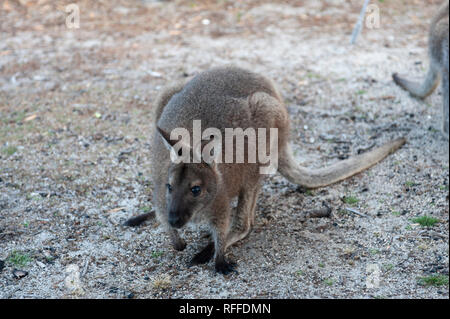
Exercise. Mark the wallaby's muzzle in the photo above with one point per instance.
(177, 219)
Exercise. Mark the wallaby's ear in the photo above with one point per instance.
(179, 149)
(212, 151)
(166, 138)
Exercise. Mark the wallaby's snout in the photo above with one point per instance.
(178, 217)
(175, 220)
(179, 209)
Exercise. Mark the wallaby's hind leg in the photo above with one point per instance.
(220, 225)
(241, 224)
(245, 215)
(204, 255)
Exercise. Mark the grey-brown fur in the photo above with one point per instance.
(228, 98)
(438, 43)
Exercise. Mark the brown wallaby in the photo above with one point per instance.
(439, 63)
(224, 98)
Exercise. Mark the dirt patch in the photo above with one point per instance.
(75, 127)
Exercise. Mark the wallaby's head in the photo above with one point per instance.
(190, 186)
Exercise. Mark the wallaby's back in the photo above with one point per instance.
(231, 97)
(217, 97)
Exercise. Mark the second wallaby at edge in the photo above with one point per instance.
(439, 63)
(222, 98)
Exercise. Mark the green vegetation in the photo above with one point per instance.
(425, 221)
(388, 267)
(329, 281)
(351, 200)
(410, 184)
(434, 280)
(309, 192)
(145, 209)
(18, 258)
(10, 150)
(157, 254)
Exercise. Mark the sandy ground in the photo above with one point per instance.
(75, 127)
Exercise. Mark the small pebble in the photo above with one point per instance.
(19, 274)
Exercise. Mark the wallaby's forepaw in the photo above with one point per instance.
(203, 256)
(226, 267)
(179, 245)
(395, 77)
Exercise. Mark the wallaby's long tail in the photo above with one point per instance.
(314, 178)
(419, 90)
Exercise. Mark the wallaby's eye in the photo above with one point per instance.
(196, 190)
(169, 187)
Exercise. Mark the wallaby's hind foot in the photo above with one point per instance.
(225, 267)
(205, 255)
(244, 219)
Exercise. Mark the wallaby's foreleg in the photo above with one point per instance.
(177, 242)
(245, 215)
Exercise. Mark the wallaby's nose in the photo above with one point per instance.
(174, 220)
